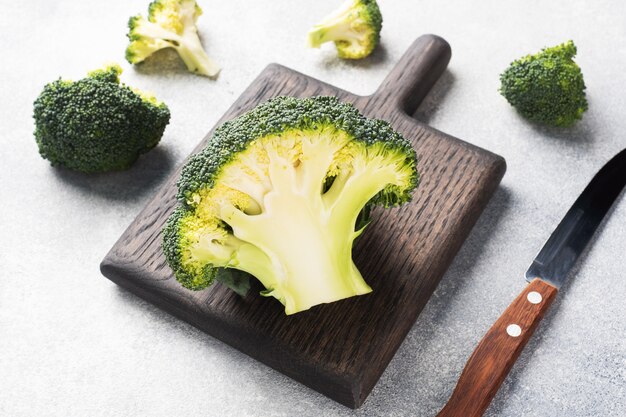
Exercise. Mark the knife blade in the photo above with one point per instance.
(498, 350)
(571, 236)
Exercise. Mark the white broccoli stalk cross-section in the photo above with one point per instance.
(170, 24)
(287, 230)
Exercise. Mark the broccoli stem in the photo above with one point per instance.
(336, 27)
(296, 253)
(347, 197)
(326, 33)
(299, 247)
(193, 55)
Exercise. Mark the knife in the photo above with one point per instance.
(498, 350)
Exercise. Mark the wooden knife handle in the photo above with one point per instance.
(498, 350)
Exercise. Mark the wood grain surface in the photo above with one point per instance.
(339, 349)
(498, 350)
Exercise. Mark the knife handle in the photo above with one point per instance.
(498, 350)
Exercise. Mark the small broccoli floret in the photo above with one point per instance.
(97, 124)
(170, 24)
(547, 87)
(354, 27)
(281, 193)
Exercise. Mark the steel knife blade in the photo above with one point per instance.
(571, 236)
(498, 350)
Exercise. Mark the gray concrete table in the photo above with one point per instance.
(74, 344)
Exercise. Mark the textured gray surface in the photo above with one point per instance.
(73, 344)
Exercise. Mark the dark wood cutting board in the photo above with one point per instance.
(339, 349)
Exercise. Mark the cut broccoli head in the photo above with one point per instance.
(354, 27)
(281, 193)
(547, 87)
(97, 124)
(170, 24)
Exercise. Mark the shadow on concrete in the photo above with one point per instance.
(163, 62)
(332, 61)
(149, 171)
(579, 134)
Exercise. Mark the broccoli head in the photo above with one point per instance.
(97, 124)
(170, 24)
(354, 27)
(280, 193)
(547, 87)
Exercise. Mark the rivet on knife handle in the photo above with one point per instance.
(498, 350)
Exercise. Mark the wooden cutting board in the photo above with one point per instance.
(339, 349)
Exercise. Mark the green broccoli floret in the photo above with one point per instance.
(547, 87)
(354, 27)
(170, 24)
(97, 124)
(281, 193)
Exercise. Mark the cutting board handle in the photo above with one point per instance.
(414, 75)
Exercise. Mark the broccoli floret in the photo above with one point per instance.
(97, 124)
(170, 24)
(354, 27)
(547, 87)
(281, 192)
